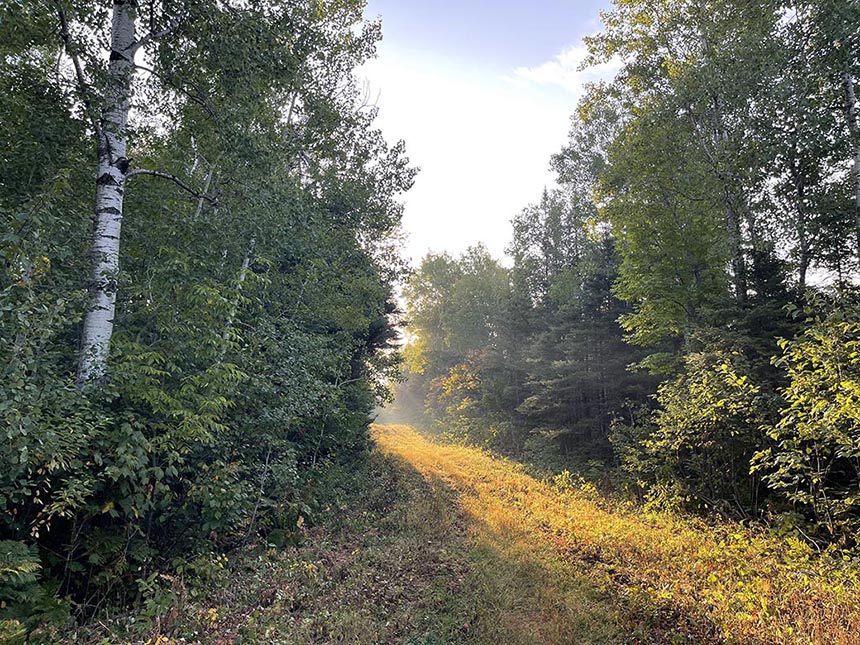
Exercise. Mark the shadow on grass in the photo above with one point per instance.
(414, 559)
(527, 585)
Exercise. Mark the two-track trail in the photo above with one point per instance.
(567, 567)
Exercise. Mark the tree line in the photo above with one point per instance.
(683, 306)
(198, 252)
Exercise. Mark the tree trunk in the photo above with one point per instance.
(851, 117)
(802, 232)
(110, 185)
(243, 274)
(733, 232)
(733, 219)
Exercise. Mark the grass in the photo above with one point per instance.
(437, 544)
(672, 579)
(399, 561)
(407, 565)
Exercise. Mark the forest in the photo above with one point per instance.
(682, 309)
(177, 401)
(204, 306)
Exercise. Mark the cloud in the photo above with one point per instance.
(566, 70)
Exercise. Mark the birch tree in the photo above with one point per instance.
(854, 141)
(112, 141)
(109, 118)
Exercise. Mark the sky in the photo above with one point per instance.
(482, 92)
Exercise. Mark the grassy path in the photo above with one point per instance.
(439, 544)
(409, 562)
(598, 574)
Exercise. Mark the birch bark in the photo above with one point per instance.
(854, 133)
(110, 186)
(243, 273)
(802, 233)
(733, 232)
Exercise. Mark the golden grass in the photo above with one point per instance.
(697, 582)
(399, 560)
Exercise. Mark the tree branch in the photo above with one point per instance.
(79, 72)
(198, 98)
(176, 180)
(206, 188)
(153, 36)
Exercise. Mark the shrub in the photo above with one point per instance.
(815, 462)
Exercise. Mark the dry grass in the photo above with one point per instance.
(677, 578)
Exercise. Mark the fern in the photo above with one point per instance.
(19, 567)
(12, 632)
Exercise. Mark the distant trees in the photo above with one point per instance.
(500, 351)
(457, 307)
(574, 358)
(706, 192)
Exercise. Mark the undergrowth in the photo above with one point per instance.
(426, 543)
(398, 561)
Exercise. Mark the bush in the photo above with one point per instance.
(25, 604)
(815, 462)
(695, 449)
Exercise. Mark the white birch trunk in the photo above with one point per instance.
(243, 274)
(853, 129)
(802, 233)
(733, 232)
(110, 185)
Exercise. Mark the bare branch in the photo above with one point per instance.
(153, 36)
(79, 73)
(172, 178)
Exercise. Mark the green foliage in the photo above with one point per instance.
(255, 320)
(695, 449)
(19, 566)
(503, 357)
(25, 603)
(672, 252)
(459, 363)
(815, 459)
(711, 157)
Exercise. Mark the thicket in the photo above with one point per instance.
(683, 306)
(253, 313)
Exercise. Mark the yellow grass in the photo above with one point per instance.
(698, 582)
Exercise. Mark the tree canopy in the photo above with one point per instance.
(249, 294)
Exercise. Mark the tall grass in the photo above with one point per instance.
(698, 582)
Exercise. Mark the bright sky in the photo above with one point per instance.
(482, 92)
